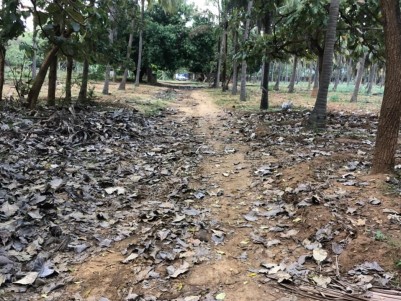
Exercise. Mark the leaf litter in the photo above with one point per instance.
(65, 174)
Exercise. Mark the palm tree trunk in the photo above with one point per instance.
(390, 113)
(224, 86)
(318, 117)
(372, 79)
(315, 88)
(129, 49)
(279, 71)
(2, 68)
(244, 63)
(68, 79)
(358, 79)
(234, 89)
(293, 75)
(140, 46)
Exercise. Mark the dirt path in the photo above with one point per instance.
(227, 170)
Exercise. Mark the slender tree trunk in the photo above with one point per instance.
(129, 49)
(68, 79)
(279, 71)
(51, 92)
(2, 69)
(390, 113)
(310, 77)
(318, 117)
(293, 76)
(244, 63)
(34, 46)
(140, 46)
(224, 58)
(83, 92)
(234, 90)
(372, 78)
(40, 78)
(106, 85)
(358, 79)
(264, 101)
(336, 79)
(315, 88)
(349, 71)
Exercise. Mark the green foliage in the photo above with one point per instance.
(379, 236)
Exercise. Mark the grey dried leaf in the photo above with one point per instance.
(251, 216)
(55, 183)
(337, 248)
(28, 279)
(9, 209)
(174, 273)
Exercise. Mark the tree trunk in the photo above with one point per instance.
(34, 46)
(40, 78)
(68, 79)
(310, 78)
(264, 101)
(129, 49)
(234, 89)
(244, 63)
(2, 68)
(390, 113)
(106, 85)
(372, 79)
(224, 59)
(279, 71)
(315, 88)
(349, 71)
(293, 76)
(336, 79)
(358, 79)
(140, 46)
(317, 118)
(83, 92)
(51, 92)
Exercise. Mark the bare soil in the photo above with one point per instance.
(232, 172)
(234, 146)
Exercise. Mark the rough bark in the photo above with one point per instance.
(140, 46)
(293, 76)
(106, 84)
(336, 79)
(40, 78)
(244, 63)
(83, 91)
(318, 116)
(2, 67)
(51, 91)
(68, 79)
(358, 80)
(390, 113)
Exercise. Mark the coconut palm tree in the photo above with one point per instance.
(318, 117)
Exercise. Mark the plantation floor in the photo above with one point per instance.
(237, 203)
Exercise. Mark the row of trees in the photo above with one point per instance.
(247, 36)
(320, 29)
